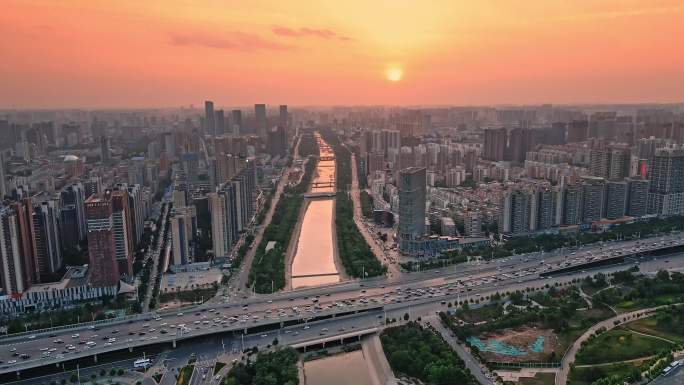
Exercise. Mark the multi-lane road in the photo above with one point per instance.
(417, 293)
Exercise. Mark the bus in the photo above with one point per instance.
(142, 363)
(672, 366)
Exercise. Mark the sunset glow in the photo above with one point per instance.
(173, 52)
(394, 74)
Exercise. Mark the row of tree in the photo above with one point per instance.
(267, 273)
(422, 354)
(270, 368)
(357, 257)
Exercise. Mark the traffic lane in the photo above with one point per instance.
(90, 335)
(124, 337)
(426, 306)
(85, 373)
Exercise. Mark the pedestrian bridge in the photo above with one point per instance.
(314, 195)
(351, 336)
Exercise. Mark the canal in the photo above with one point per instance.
(341, 369)
(314, 261)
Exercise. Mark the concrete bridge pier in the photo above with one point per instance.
(130, 349)
(94, 357)
(18, 375)
(282, 324)
(173, 343)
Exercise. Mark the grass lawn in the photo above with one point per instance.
(585, 376)
(484, 313)
(618, 345)
(652, 326)
(218, 366)
(539, 379)
(666, 299)
(581, 322)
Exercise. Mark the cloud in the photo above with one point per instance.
(309, 32)
(234, 41)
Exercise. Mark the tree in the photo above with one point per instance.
(406, 316)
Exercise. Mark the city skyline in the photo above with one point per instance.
(329, 54)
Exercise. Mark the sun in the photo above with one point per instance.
(394, 74)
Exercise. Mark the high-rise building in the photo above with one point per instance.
(232, 209)
(27, 239)
(593, 198)
(47, 236)
(545, 209)
(170, 145)
(572, 205)
(619, 163)
(138, 210)
(495, 143)
(190, 164)
(102, 268)
(3, 182)
(638, 197)
(599, 162)
(412, 193)
(555, 135)
(219, 123)
(105, 151)
(283, 116)
(93, 186)
(516, 209)
(617, 193)
(666, 189)
(209, 118)
(577, 131)
(472, 224)
(236, 122)
(260, 120)
(123, 234)
(13, 272)
(183, 227)
(277, 141)
(72, 209)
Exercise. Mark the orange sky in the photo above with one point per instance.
(176, 52)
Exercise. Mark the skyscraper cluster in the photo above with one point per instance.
(232, 208)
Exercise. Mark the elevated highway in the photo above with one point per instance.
(248, 315)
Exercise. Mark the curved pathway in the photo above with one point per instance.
(571, 353)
